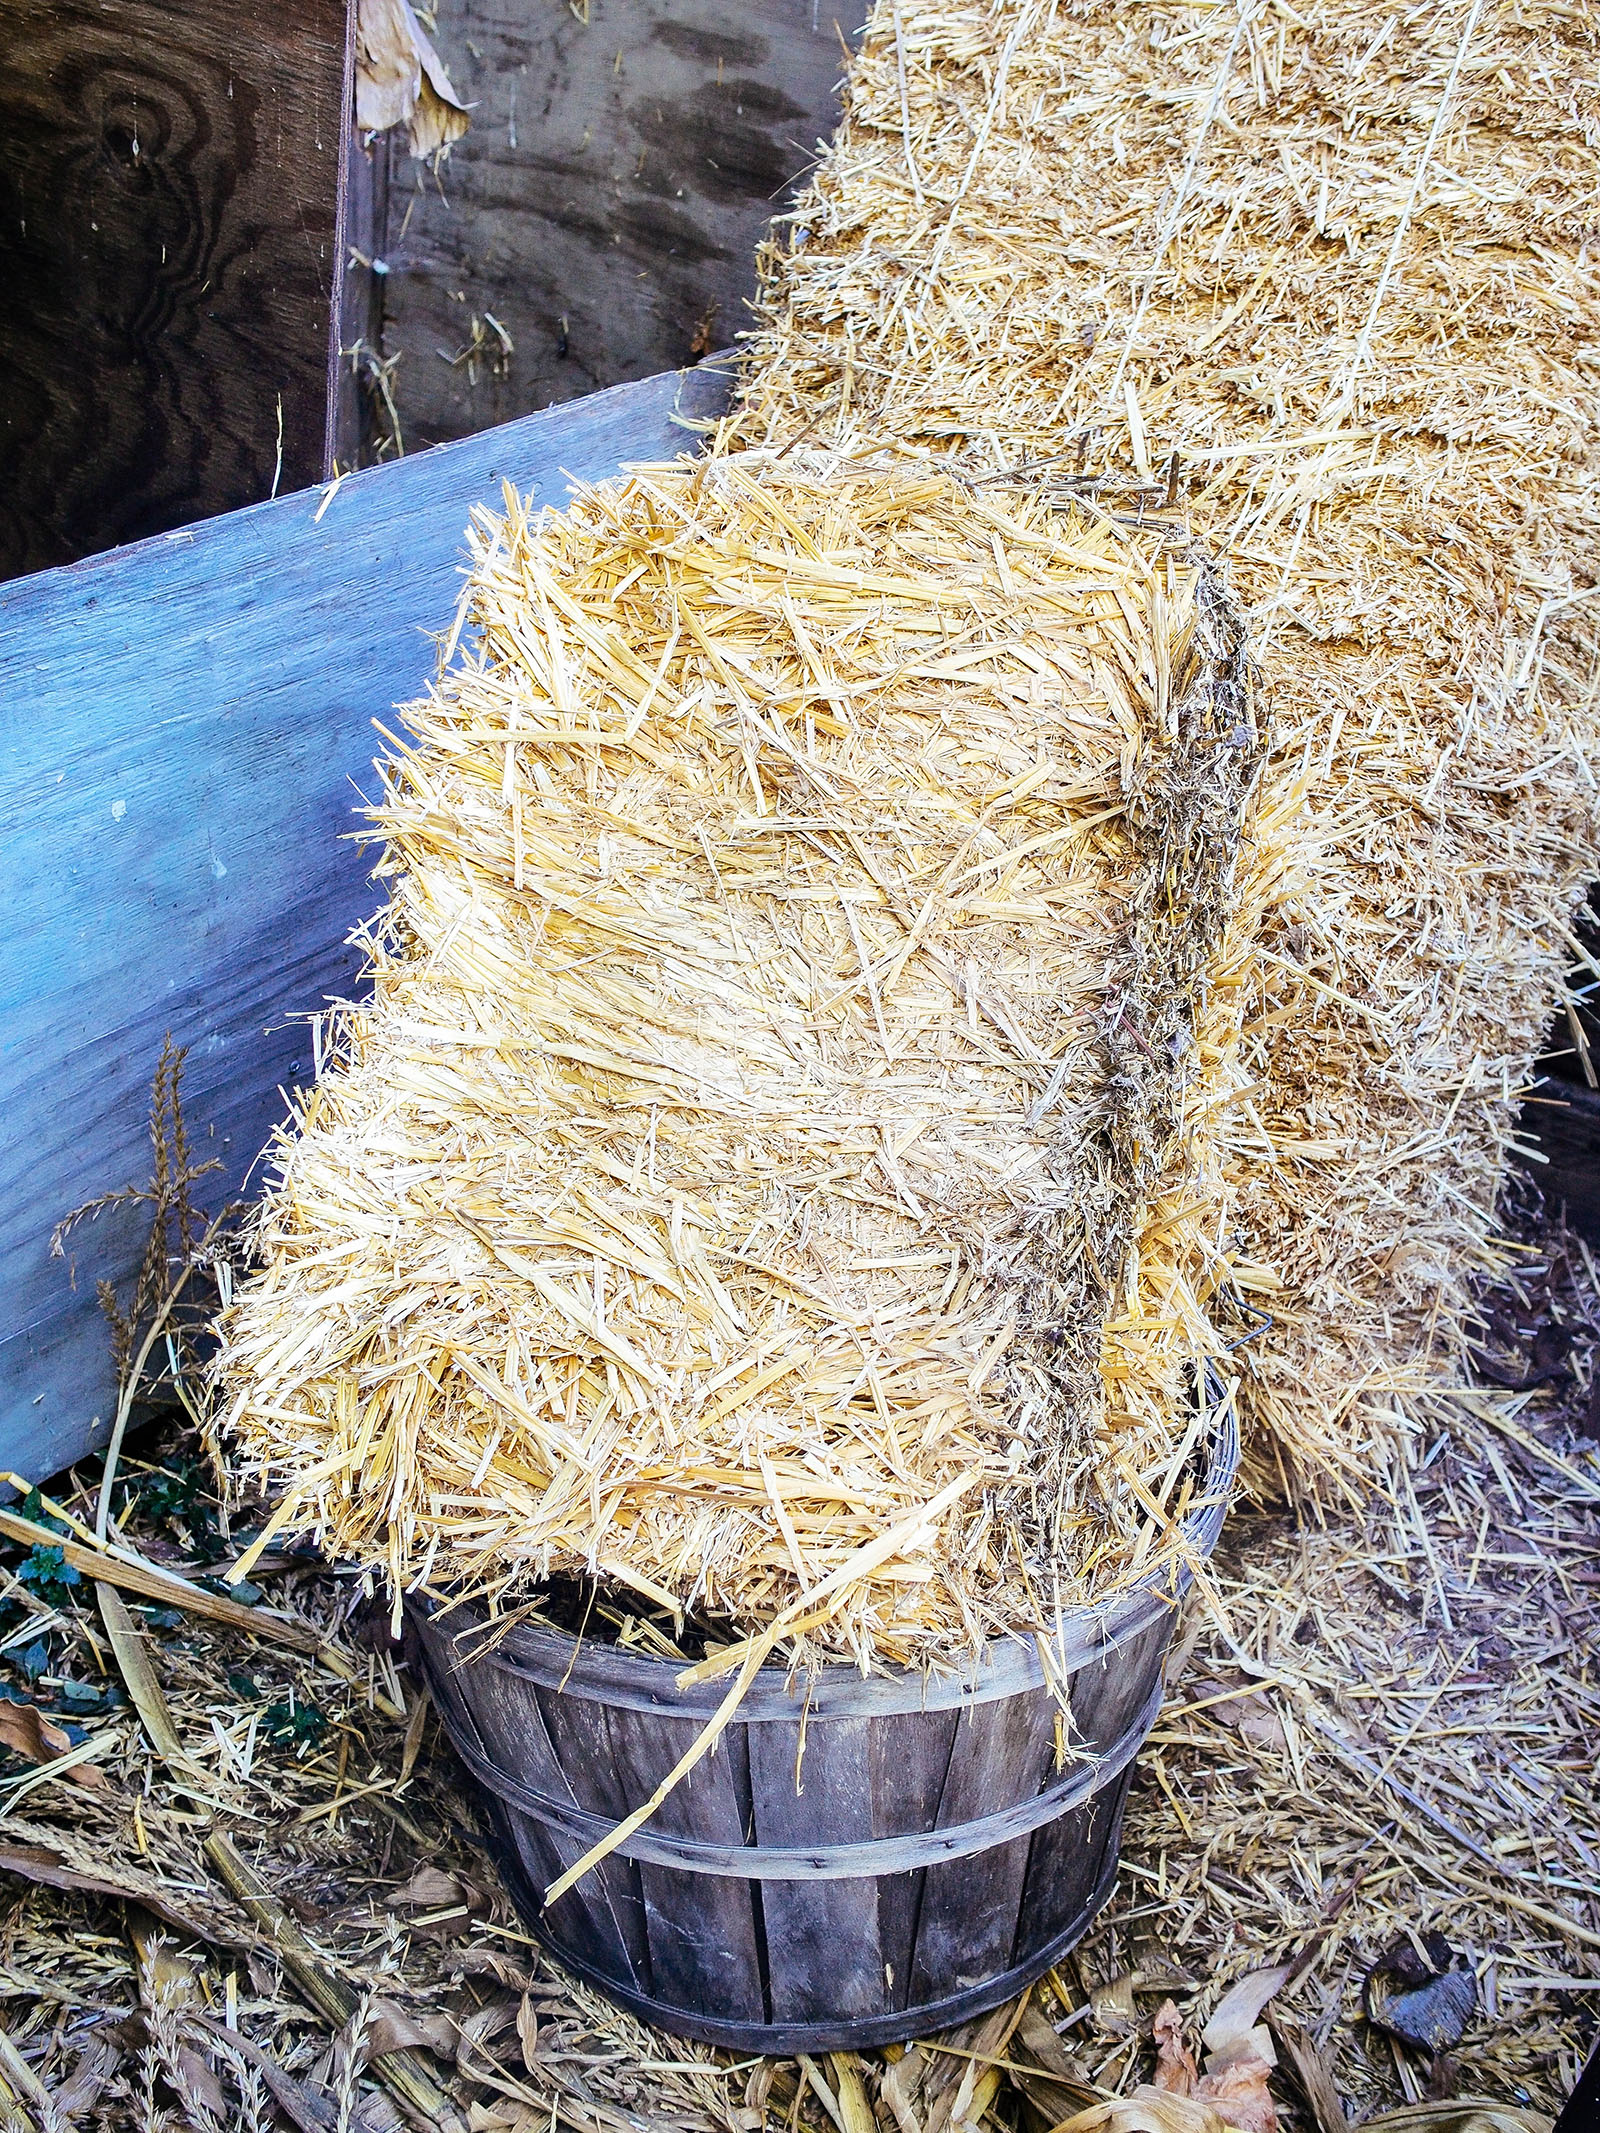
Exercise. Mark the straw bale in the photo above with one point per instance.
(804, 886)
(1325, 272)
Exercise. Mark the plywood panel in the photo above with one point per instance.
(185, 733)
(169, 181)
(606, 205)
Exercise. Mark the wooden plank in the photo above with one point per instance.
(169, 184)
(579, 1743)
(1065, 1864)
(502, 1721)
(910, 1761)
(704, 1948)
(185, 729)
(824, 1959)
(606, 205)
(529, 1856)
(1002, 1752)
(631, 1680)
(1107, 1695)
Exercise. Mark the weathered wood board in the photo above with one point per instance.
(606, 204)
(185, 732)
(169, 245)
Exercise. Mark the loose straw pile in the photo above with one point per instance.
(1328, 272)
(803, 889)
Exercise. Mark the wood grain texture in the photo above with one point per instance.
(823, 1782)
(169, 187)
(1001, 1752)
(604, 1927)
(185, 729)
(608, 199)
(704, 1944)
(1105, 1695)
(1066, 1863)
(911, 1759)
(787, 1923)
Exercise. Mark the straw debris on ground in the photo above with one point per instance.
(1392, 1735)
(1319, 275)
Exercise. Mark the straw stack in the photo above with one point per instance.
(803, 891)
(1329, 271)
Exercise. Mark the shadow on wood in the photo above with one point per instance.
(624, 161)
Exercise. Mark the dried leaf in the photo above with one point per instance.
(1176, 2071)
(480, 2027)
(1477, 2115)
(391, 2028)
(1314, 2069)
(1146, 2110)
(1232, 2026)
(528, 2034)
(27, 1732)
(303, 2106)
(495, 1963)
(1264, 1728)
(401, 81)
(1114, 2011)
(80, 2092)
(429, 1889)
(1238, 2091)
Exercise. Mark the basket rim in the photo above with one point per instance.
(1008, 1666)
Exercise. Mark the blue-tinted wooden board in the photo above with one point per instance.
(185, 731)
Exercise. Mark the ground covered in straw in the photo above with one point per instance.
(1392, 1735)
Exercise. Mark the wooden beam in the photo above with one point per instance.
(185, 735)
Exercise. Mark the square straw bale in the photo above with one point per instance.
(805, 887)
(1326, 277)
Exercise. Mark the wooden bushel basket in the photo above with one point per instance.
(859, 1860)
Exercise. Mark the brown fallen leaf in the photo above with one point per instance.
(1176, 2071)
(492, 1962)
(94, 2067)
(1234, 2083)
(1314, 2070)
(475, 2032)
(1114, 2011)
(1263, 1728)
(1062, 2085)
(1146, 2110)
(305, 2108)
(429, 1889)
(1233, 2030)
(1238, 2091)
(528, 2034)
(1478, 2115)
(392, 2028)
(401, 81)
(440, 1905)
(26, 1731)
